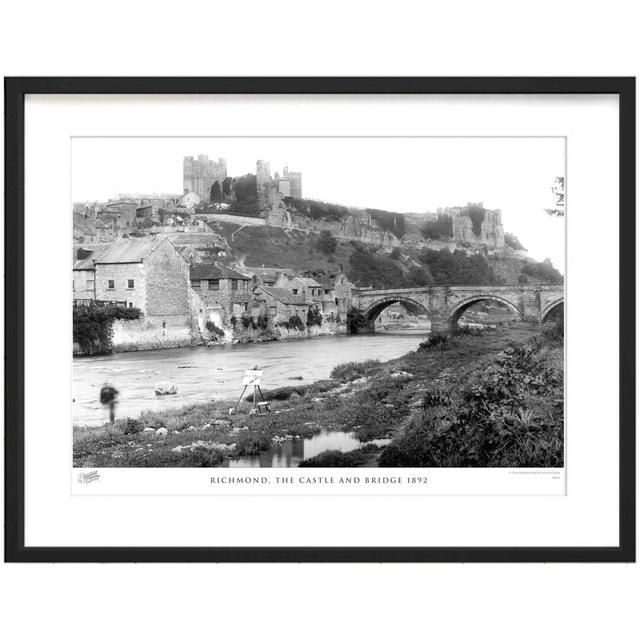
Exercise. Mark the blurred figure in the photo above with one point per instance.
(109, 397)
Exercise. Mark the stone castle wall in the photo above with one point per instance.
(199, 174)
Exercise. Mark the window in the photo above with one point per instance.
(295, 292)
(214, 285)
(89, 286)
(130, 284)
(234, 285)
(131, 304)
(195, 284)
(111, 284)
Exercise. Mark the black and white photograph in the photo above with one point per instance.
(254, 302)
(365, 320)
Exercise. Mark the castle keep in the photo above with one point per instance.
(198, 175)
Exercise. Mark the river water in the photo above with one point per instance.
(208, 373)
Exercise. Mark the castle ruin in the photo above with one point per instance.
(199, 174)
(271, 190)
(476, 225)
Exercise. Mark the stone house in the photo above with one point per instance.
(149, 274)
(265, 276)
(223, 291)
(279, 304)
(307, 288)
(84, 271)
(189, 201)
(332, 294)
(124, 213)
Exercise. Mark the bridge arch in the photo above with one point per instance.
(373, 310)
(550, 307)
(460, 308)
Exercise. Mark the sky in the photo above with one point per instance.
(397, 174)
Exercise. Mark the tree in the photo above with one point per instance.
(418, 276)
(313, 317)
(216, 193)
(327, 243)
(439, 229)
(512, 241)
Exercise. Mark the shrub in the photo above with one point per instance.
(149, 419)
(367, 268)
(418, 276)
(508, 414)
(352, 370)
(544, 271)
(395, 253)
(213, 329)
(326, 242)
(251, 443)
(440, 341)
(355, 320)
(294, 323)
(553, 332)
(334, 458)
(129, 426)
(439, 229)
(92, 326)
(512, 241)
(457, 267)
(314, 318)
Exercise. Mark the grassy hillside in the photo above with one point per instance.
(283, 248)
(367, 265)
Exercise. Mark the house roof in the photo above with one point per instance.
(83, 227)
(266, 272)
(129, 250)
(308, 282)
(215, 271)
(284, 295)
(86, 263)
(115, 203)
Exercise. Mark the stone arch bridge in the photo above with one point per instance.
(445, 304)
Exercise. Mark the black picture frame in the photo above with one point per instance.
(15, 91)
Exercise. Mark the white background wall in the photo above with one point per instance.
(329, 38)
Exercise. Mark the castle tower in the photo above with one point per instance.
(199, 174)
(264, 184)
(295, 181)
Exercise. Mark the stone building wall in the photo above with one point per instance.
(121, 274)
(225, 300)
(152, 332)
(84, 284)
(167, 282)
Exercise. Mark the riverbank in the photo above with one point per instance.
(475, 399)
